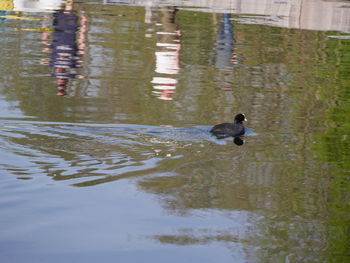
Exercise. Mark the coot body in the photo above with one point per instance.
(235, 129)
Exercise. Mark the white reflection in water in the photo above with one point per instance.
(167, 55)
(34, 5)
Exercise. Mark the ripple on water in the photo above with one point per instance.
(88, 154)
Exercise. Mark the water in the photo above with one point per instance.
(105, 153)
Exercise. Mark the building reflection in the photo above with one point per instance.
(167, 52)
(67, 46)
(311, 15)
(225, 57)
(13, 8)
(31, 5)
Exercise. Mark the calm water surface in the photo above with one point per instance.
(105, 154)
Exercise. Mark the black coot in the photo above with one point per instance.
(234, 129)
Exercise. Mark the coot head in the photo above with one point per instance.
(239, 118)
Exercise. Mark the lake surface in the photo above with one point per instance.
(105, 154)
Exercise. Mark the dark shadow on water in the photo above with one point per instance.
(238, 141)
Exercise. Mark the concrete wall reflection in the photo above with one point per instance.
(301, 14)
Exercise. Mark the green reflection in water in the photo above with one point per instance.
(334, 148)
(291, 181)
